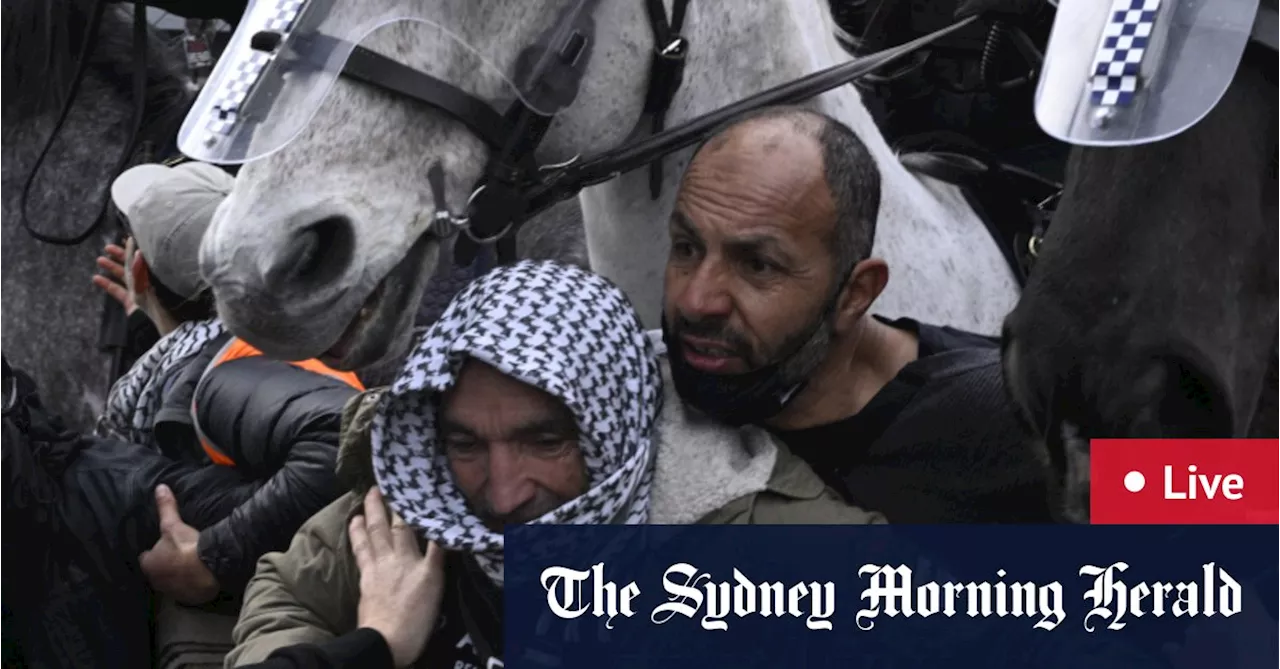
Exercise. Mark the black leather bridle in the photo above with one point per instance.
(514, 187)
(139, 91)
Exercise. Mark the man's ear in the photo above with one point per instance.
(140, 273)
(864, 284)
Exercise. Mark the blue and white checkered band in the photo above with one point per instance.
(1125, 40)
(235, 89)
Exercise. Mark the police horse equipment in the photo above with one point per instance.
(514, 187)
(1152, 312)
(357, 168)
(954, 112)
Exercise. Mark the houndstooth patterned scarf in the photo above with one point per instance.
(558, 328)
(136, 397)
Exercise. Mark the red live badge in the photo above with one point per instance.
(1185, 481)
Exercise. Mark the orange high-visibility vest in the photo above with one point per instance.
(238, 348)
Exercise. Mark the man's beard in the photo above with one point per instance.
(774, 378)
(804, 351)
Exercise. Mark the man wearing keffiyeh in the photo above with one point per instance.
(537, 398)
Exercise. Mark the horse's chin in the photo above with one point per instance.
(1073, 484)
(374, 334)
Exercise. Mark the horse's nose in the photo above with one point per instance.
(1180, 399)
(1019, 383)
(1171, 396)
(318, 254)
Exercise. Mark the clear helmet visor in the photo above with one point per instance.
(1123, 72)
(285, 56)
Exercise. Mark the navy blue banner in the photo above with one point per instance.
(891, 596)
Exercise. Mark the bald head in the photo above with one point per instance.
(767, 132)
(808, 160)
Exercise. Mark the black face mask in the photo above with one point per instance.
(736, 399)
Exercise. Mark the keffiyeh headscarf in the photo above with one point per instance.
(558, 328)
(136, 397)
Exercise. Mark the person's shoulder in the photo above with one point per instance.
(701, 464)
(942, 338)
(269, 385)
(967, 384)
(328, 527)
(795, 495)
(961, 365)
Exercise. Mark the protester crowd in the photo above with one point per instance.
(363, 527)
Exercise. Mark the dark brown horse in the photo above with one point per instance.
(1151, 311)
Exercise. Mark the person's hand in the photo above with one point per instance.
(113, 282)
(173, 565)
(400, 589)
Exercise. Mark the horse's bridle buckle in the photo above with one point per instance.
(675, 49)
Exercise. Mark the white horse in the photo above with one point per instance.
(321, 248)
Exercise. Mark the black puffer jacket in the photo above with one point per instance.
(279, 424)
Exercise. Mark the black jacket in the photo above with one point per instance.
(279, 424)
(71, 594)
(940, 443)
(74, 505)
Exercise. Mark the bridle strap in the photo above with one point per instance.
(511, 137)
(666, 73)
(377, 70)
(502, 200)
(514, 188)
(556, 62)
(139, 115)
(569, 181)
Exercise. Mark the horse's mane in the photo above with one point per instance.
(41, 46)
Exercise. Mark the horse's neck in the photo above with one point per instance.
(52, 312)
(735, 51)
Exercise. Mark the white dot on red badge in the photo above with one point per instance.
(1134, 481)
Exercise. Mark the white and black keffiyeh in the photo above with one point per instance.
(558, 328)
(136, 397)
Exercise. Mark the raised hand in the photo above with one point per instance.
(400, 588)
(113, 282)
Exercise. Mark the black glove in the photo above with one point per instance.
(1015, 11)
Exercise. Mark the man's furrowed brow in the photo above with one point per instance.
(563, 426)
(766, 245)
(447, 425)
(681, 223)
(555, 425)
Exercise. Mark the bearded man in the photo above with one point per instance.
(769, 288)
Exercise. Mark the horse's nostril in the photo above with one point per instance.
(305, 252)
(319, 253)
(1193, 404)
(1019, 385)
